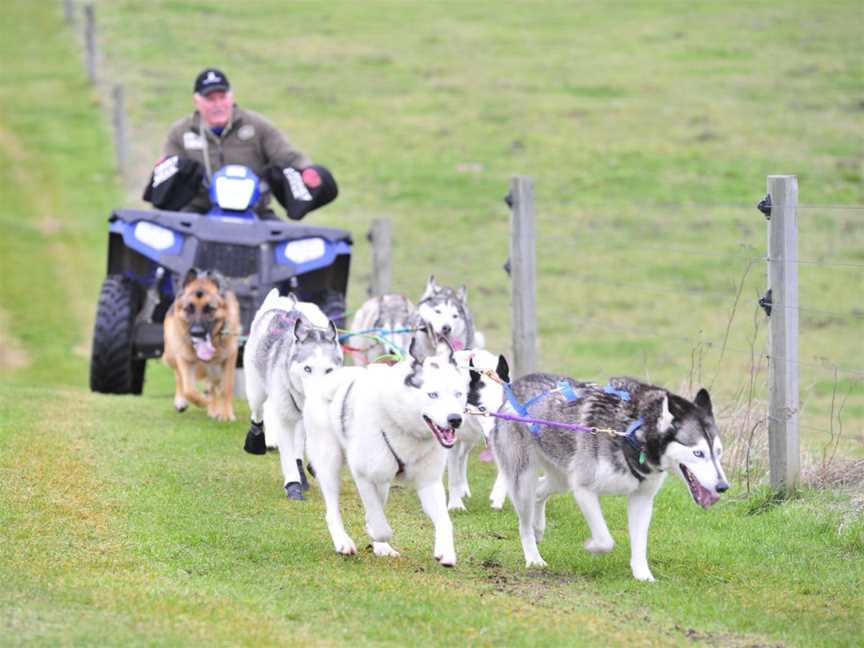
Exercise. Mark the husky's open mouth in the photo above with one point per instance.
(701, 495)
(204, 348)
(446, 436)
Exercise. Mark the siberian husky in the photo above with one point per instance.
(662, 433)
(485, 395)
(386, 423)
(291, 344)
(388, 316)
(446, 311)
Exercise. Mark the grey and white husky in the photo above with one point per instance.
(291, 344)
(387, 422)
(662, 433)
(446, 311)
(388, 317)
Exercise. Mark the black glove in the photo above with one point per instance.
(299, 192)
(175, 181)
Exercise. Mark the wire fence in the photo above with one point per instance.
(624, 288)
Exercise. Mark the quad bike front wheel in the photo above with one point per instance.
(113, 366)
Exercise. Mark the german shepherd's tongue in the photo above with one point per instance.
(204, 348)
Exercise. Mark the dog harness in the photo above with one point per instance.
(378, 335)
(399, 463)
(566, 390)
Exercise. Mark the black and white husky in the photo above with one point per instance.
(291, 344)
(642, 434)
(446, 311)
(487, 373)
(386, 423)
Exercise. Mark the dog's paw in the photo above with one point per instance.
(294, 491)
(535, 563)
(304, 483)
(446, 559)
(642, 573)
(255, 441)
(181, 405)
(221, 414)
(456, 504)
(344, 546)
(599, 546)
(384, 549)
(496, 503)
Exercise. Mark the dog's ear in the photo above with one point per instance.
(415, 352)
(503, 369)
(332, 332)
(666, 418)
(431, 288)
(462, 294)
(219, 279)
(475, 383)
(417, 347)
(703, 400)
(301, 329)
(191, 275)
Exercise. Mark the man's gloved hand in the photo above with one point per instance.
(299, 192)
(311, 177)
(175, 182)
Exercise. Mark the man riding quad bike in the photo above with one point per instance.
(219, 221)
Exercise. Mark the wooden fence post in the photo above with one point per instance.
(379, 236)
(120, 141)
(90, 41)
(524, 276)
(784, 444)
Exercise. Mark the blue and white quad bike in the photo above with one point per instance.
(150, 251)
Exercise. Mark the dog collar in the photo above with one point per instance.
(399, 463)
(630, 437)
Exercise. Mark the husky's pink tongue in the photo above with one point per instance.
(204, 349)
(701, 495)
(458, 344)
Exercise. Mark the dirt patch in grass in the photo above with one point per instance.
(13, 355)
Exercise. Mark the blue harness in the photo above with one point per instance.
(570, 395)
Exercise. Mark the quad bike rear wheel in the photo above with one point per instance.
(114, 369)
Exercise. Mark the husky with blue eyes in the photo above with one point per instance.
(641, 433)
(388, 423)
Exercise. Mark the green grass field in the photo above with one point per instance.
(649, 129)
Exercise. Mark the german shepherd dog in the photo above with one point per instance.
(641, 434)
(201, 333)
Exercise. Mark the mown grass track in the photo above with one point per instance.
(123, 523)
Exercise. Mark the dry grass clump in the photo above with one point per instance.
(838, 473)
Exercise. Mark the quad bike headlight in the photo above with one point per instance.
(235, 187)
(154, 236)
(304, 250)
